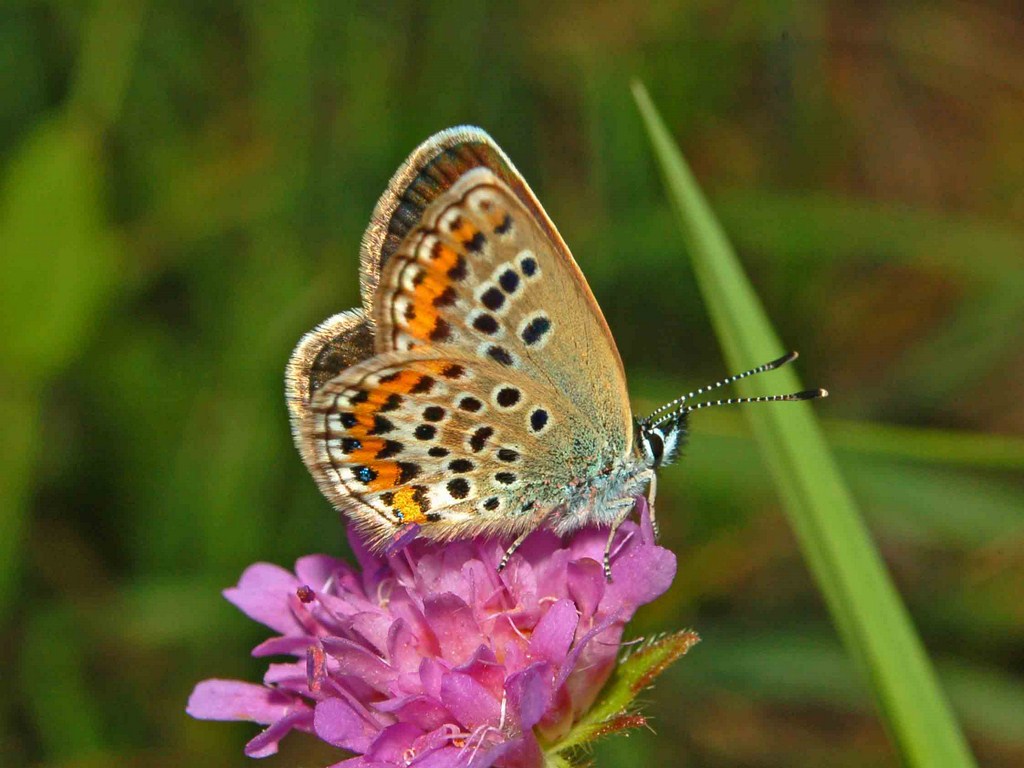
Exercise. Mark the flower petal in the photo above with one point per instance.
(539, 545)
(422, 711)
(337, 723)
(439, 738)
(405, 606)
(524, 751)
(449, 757)
(265, 744)
(374, 626)
(235, 700)
(529, 694)
(594, 654)
(454, 625)
(263, 594)
(483, 667)
(287, 675)
(402, 648)
(643, 510)
(638, 576)
(554, 633)
(294, 645)
(361, 762)
(469, 702)
(393, 741)
(357, 660)
(369, 562)
(430, 657)
(586, 586)
(318, 571)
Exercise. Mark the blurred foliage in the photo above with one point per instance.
(182, 191)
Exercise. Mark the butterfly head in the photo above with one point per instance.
(659, 443)
(660, 437)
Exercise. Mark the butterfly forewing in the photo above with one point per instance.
(484, 274)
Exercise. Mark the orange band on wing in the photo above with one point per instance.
(432, 290)
(387, 476)
(405, 503)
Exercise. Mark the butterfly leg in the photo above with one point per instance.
(512, 549)
(652, 492)
(627, 510)
(535, 523)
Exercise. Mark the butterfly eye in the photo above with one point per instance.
(654, 446)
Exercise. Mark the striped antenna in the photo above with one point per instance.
(786, 358)
(809, 394)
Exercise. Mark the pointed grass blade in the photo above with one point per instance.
(864, 604)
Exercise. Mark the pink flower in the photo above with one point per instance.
(430, 657)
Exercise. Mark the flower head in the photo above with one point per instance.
(429, 656)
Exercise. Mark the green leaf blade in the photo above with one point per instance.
(633, 674)
(860, 595)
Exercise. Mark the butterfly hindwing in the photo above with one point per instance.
(339, 342)
(455, 445)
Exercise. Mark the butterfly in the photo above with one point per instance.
(478, 390)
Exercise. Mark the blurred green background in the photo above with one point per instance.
(183, 187)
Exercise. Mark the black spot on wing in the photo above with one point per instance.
(493, 299)
(509, 281)
(535, 330)
(393, 402)
(441, 331)
(407, 471)
(458, 272)
(500, 355)
(475, 244)
(508, 397)
(538, 419)
(425, 432)
(391, 448)
(480, 438)
(458, 488)
(446, 298)
(453, 371)
(381, 425)
(470, 404)
(486, 323)
(423, 386)
(507, 454)
(433, 413)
